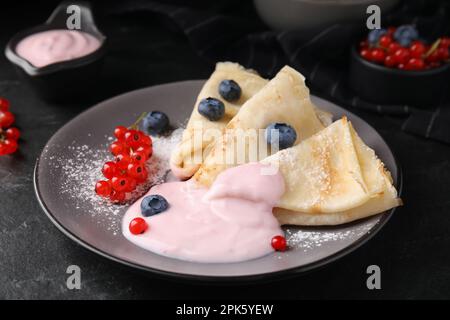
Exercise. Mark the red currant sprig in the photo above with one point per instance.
(132, 149)
(9, 136)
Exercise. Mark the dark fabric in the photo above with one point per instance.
(321, 55)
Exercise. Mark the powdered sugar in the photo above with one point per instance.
(307, 240)
(81, 168)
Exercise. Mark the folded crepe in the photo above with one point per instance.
(183, 161)
(332, 178)
(285, 99)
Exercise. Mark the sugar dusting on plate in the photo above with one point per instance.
(81, 169)
(308, 239)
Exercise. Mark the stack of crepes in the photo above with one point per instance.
(331, 176)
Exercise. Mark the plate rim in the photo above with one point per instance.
(206, 278)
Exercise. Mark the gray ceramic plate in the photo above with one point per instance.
(89, 224)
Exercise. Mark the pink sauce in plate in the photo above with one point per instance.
(47, 47)
(232, 221)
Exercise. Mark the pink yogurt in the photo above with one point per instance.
(230, 222)
(48, 47)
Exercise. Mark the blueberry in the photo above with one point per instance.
(211, 108)
(404, 42)
(230, 90)
(375, 35)
(153, 204)
(155, 122)
(406, 34)
(286, 135)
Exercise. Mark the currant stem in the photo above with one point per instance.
(136, 123)
(433, 47)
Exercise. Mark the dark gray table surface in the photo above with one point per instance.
(412, 250)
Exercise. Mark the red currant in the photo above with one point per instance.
(2, 148)
(415, 64)
(117, 147)
(391, 30)
(131, 184)
(122, 161)
(385, 41)
(433, 57)
(119, 132)
(109, 169)
(434, 64)
(363, 44)
(390, 62)
(13, 133)
(147, 150)
(138, 226)
(444, 43)
(120, 183)
(103, 188)
(139, 156)
(365, 53)
(401, 66)
(142, 176)
(417, 49)
(146, 140)
(393, 47)
(279, 243)
(10, 146)
(6, 119)
(443, 53)
(401, 55)
(117, 196)
(377, 55)
(4, 104)
(135, 170)
(133, 138)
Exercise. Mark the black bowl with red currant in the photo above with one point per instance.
(398, 66)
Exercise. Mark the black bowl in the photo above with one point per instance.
(66, 79)
(383, 85)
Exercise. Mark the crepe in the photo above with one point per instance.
(183, 160)
(332, 178)
(285, 99)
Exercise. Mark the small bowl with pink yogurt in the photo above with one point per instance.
(60, 63)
